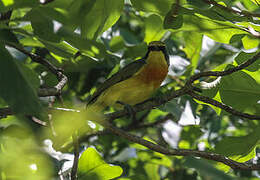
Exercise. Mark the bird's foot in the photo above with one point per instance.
(128, 108)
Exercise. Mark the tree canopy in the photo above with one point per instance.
(202, 123)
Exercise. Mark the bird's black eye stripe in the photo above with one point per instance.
(156, 48)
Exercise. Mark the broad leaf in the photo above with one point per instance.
(242, 57)
(92, 166)
(239, 87)
(16, 88)
(158, 7)
(193, 43)
(240, 148)
(43, 26)
(153, 28)
(206, 169)
(102, 16)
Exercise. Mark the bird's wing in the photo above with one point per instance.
(123, 74)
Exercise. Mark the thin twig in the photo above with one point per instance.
(43, 92)
(222, 106)
(76, 157)
(222, 73)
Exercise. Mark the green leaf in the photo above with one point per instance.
(242, 57)
(255, 75)
(240, 148)
(250, 42)
(206, 169)
(152, 171)
(90, 47)
(251, 5)
(102, 16)
(135, 51)
(31, 75)
(198, 3)
(7, 36)
(80, 64)
(193, 44)
(79, 9)
(236, 38)
(30, 41)
(61, 4)
(129, 37)
(42, 26)
(257, 2)
(239, 87)
(153, 28)
(116, 43)
(213, 26)
(61, 49)
(16, 88)
(191, 134)
(153, 6)
(228, 15)
(92, 166)
(173, 107)
(20, 3)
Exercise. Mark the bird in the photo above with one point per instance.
(134, 83)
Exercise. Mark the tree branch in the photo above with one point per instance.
(130, 127)
(222, 106)
(43, 92)
(180, 152)
(150, 103)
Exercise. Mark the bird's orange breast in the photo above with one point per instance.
(155, 71)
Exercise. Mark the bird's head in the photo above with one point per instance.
(158, 46)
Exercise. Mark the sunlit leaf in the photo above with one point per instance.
(193, 42)
(92, 166)
(154, 6)
(250, 42)
(102, 16)
(153, 28)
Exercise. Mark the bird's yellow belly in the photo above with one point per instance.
(131, 91)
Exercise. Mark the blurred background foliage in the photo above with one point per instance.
(90, 40)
